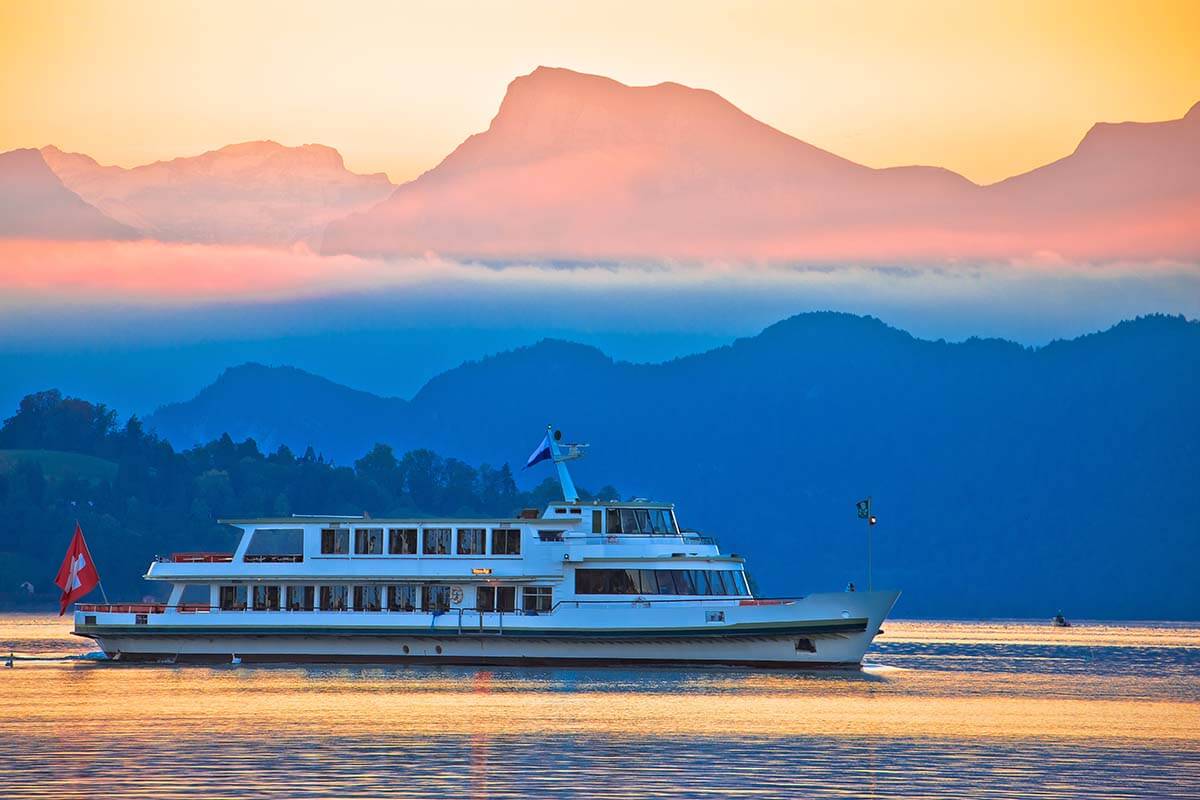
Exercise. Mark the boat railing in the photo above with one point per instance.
(635, 602)
(687, 537)
(196, 558)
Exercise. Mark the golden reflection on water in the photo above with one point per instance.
(973, 718)
(1018, 632)
(334, 701)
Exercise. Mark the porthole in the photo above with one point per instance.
(438, 649)
(405, 649)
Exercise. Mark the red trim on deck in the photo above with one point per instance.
(201, 558)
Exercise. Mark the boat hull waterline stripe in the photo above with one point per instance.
(729, 632)
(473, 660)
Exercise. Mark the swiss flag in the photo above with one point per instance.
(77, 576)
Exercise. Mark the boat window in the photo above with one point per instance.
(266, 598)
(660, 521)
(506, 598)
(597, 521)
(485, 598)
(666, 581)
(614, 520)
(661, 582)
(628, 521)
(506, 541)
(335, 541)
(402, 541)
(195, 597)
(471, 541)
(300, 598)
(233, 598)
(437, 542)
(684, 583)
(550, 536)
(537, 599)
(623, 581)
(643, 520)
(334, 598)
(367, 598)
(279, 545)
(435, 598)
(403, 597)
(368, 541)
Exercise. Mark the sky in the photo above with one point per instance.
(986, 89)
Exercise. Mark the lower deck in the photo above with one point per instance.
(831, 628)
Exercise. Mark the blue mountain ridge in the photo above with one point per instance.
(1008, 481)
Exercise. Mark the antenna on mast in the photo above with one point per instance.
(562, 452)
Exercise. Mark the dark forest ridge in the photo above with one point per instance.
(1009, 479)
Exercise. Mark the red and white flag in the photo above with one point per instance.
(77, 576)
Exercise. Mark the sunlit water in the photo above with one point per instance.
(944, 710)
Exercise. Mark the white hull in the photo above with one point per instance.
(819, 630)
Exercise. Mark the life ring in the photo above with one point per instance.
(456, 594)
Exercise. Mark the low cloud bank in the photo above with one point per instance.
(187, 285)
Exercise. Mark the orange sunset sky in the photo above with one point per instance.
(986, 89)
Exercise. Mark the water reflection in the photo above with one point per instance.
(951, 710)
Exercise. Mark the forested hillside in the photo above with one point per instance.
(65, 459)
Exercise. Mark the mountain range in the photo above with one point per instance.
(579, 167)
(1008, 480)
(35, 204)
(250, 193)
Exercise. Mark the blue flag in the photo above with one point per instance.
(540, 454)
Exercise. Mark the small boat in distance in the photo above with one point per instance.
(1060, 621)
(596, 581)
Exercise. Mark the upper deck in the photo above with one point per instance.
(530, 546)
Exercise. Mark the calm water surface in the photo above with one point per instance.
(945, 710)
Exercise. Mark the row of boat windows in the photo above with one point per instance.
(661, 581)
(634, 520)
(432, 541)
(435, 598)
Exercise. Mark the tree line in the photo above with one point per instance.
(140, 497)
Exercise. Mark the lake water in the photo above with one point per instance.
(945, 710)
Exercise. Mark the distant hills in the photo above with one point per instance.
(249, 193)
(1008, 480)
(579, 167)
(300, 409)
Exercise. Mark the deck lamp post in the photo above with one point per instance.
(864, 512)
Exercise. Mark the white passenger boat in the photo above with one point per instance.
(584, 581)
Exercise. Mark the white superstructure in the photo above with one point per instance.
(584, 581)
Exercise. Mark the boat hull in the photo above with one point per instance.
(832, 630)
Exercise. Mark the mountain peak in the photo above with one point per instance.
(256, 192)
(35, 204)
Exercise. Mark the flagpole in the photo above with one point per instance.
(869, 587)
(99, 582)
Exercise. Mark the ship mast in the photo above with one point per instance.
(561, 454)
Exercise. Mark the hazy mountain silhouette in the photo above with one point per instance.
(249, 193)
(578, 167)
(34, 204)
(1008, 480)
(298, 407)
